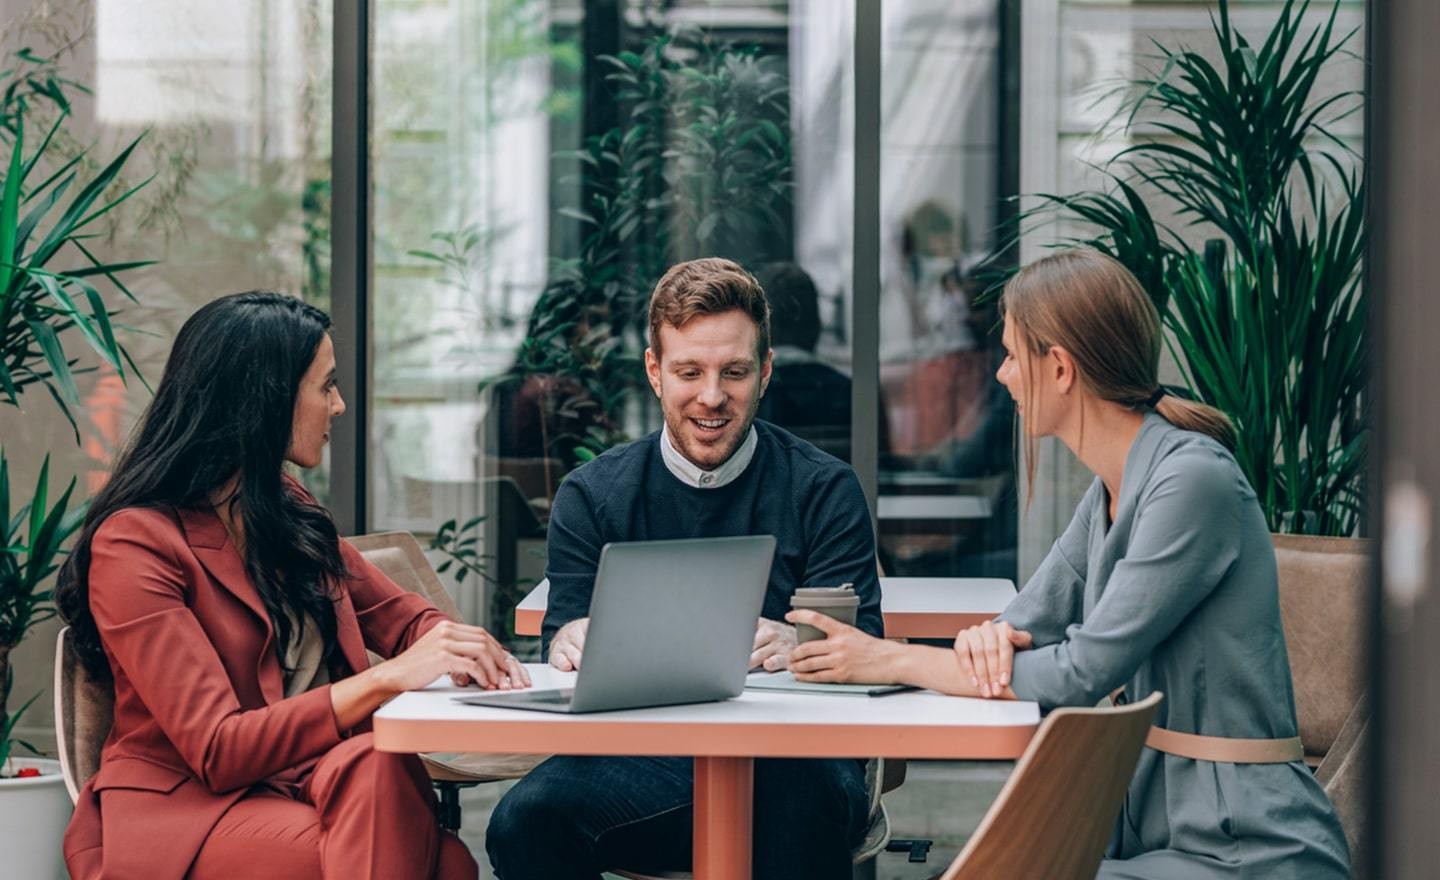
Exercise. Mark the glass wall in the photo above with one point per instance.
(537, 167)
(538, 163)
(946, 501)
(231, 106)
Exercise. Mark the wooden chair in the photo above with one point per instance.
(399, 556)
(1057, 810)
(1344, 776)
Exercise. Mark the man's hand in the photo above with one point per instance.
(987, 652)
(773, 643)
(569, 644)
(845, 655)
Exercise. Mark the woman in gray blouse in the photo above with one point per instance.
(1163, 581)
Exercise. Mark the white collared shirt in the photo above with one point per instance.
(687, 472)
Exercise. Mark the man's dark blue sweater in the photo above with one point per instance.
(811, 502)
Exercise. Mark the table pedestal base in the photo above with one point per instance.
(724, 817)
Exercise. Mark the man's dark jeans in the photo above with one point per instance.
(574, 817)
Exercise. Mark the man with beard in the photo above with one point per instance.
(712, 471)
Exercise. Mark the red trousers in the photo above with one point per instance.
(360, 814)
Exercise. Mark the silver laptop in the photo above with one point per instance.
(670, 622)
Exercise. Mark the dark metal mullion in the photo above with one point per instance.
(1405, 181)
(602, 34)
(350, 270)
(1007, 120)
(865, 283)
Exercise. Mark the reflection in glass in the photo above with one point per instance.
(537, 167)
(946, 504)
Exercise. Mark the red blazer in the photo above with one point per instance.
(200, 715)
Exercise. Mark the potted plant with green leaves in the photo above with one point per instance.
(1266, 319)
(50, 305)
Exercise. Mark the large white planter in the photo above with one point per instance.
(33, 815)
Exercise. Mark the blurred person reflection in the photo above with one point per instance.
(931, 369)
(985, 454)
(807, 397)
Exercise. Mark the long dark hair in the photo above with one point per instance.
(224, 410)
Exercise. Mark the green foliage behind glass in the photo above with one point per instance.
(700, 166)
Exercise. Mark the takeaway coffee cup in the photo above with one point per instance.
(837, 602)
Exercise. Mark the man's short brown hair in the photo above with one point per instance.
(709, 286)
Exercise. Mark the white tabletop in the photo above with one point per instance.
(919, 724)
(907, 595)
(922, 480)
(932, 507)
(941, 595)
(536, 600)
(913, 607)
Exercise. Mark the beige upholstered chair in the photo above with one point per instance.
(84, 710)
(1324, 607)
(399, 556)
(1057, 810)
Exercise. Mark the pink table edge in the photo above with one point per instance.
(718, 739)
(528, 621)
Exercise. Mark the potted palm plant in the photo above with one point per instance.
(1267, 318)
(47, 300)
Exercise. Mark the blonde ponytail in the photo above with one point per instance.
(1198, 417)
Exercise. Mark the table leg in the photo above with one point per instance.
(724, 817)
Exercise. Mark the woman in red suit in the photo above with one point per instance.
(233, 621)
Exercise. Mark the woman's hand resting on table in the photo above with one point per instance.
(468, 654)
(987, 652)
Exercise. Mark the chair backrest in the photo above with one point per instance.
(1057, 811)
(84, 711)
(1324, 602)
(399, 556)
(535, 477)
